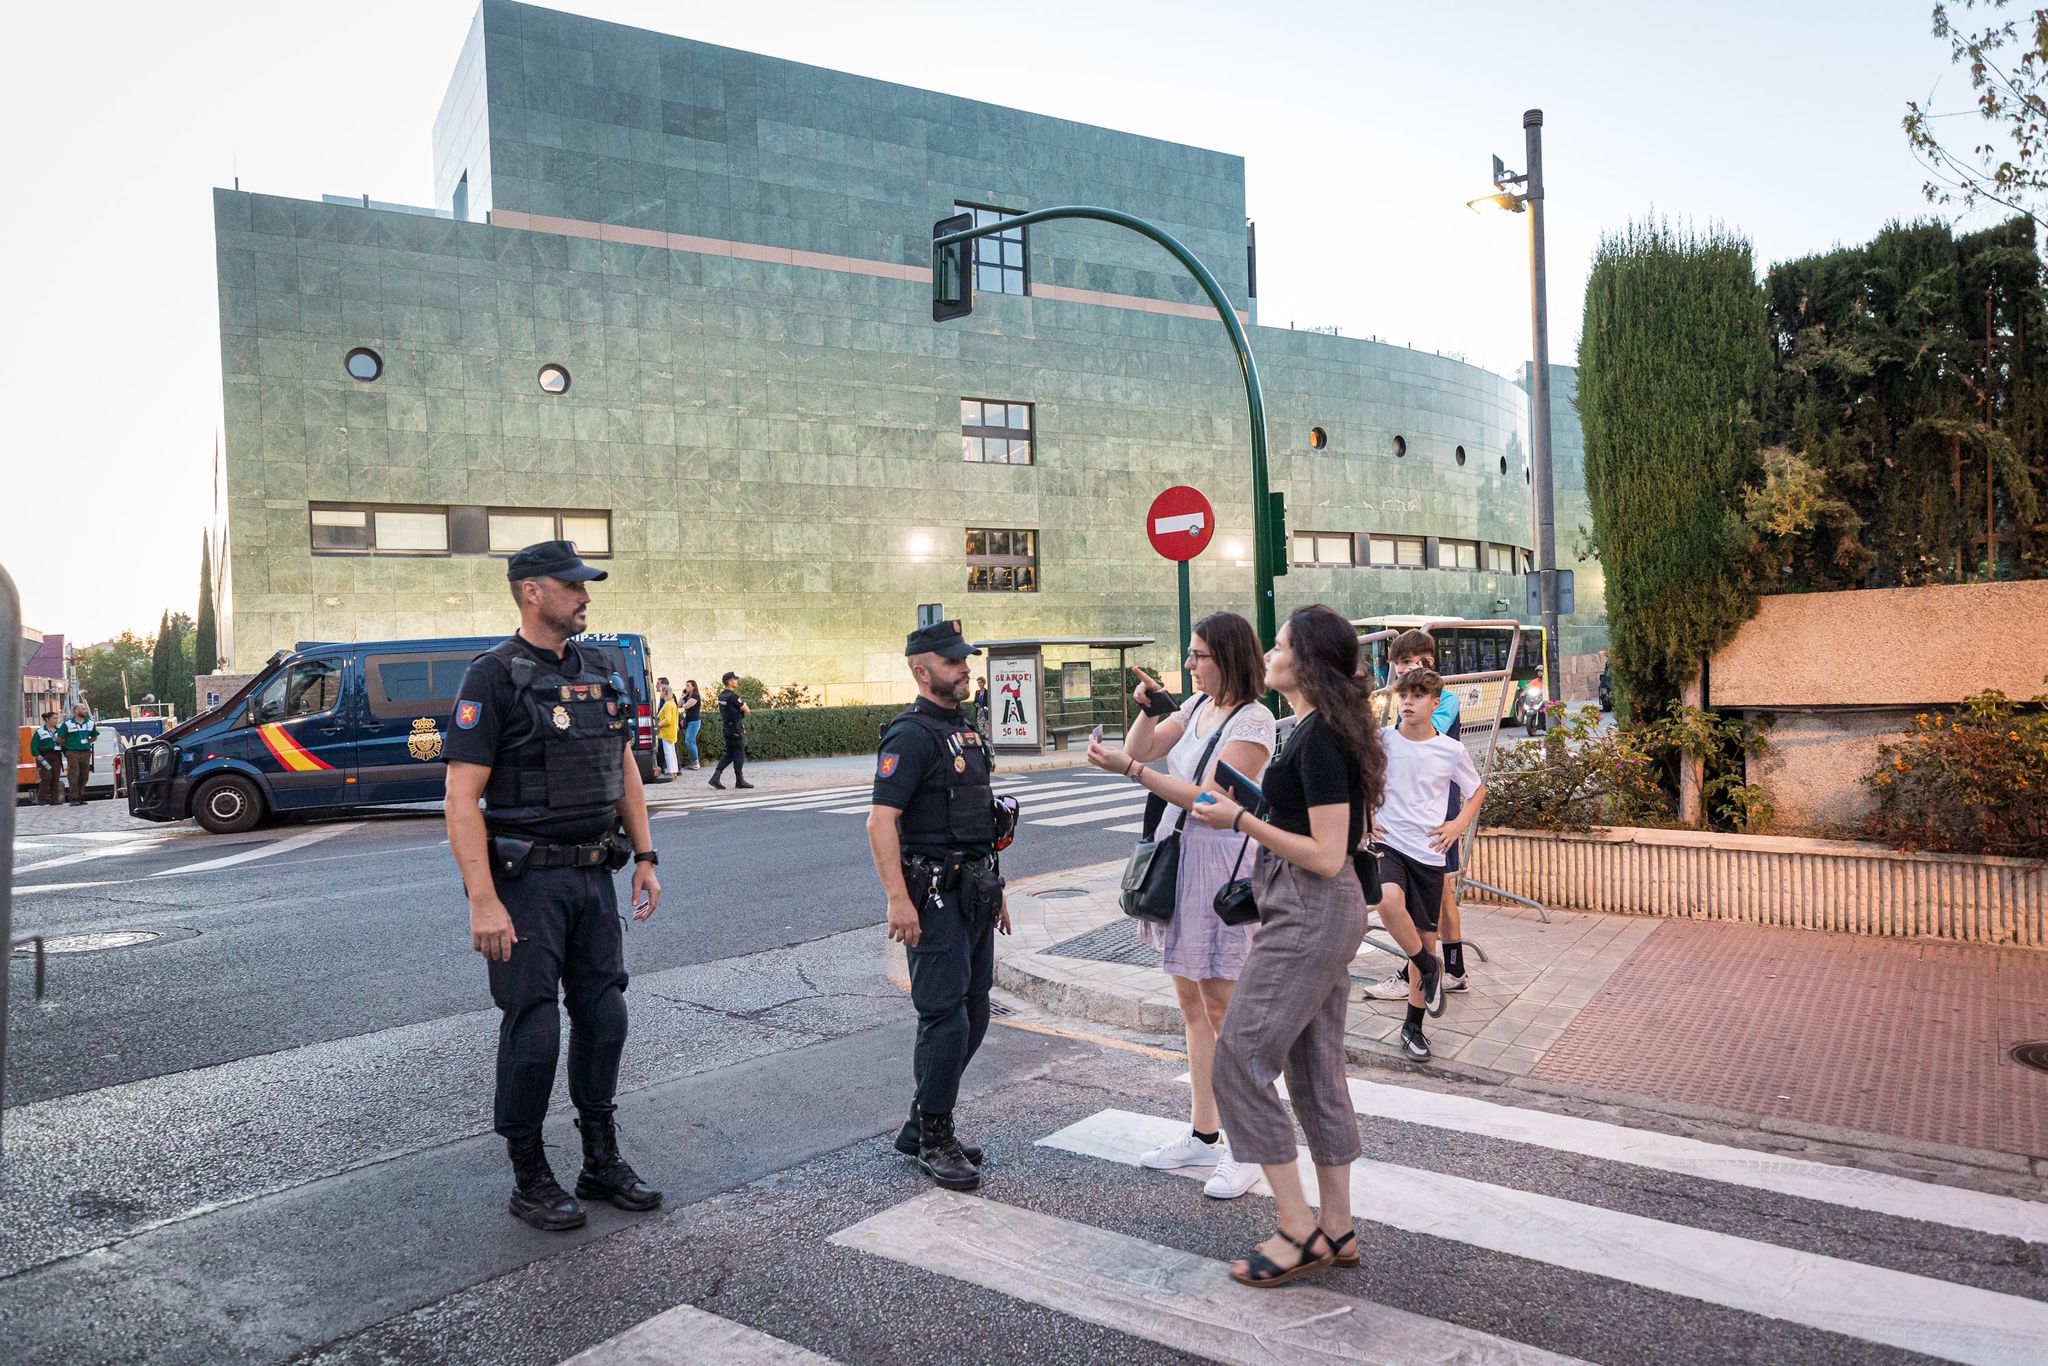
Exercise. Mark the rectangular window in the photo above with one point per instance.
(1002, 561)
(589, 532)
(1500, 559)
(341, 529)
(513, 529)
(306, 689)
(1528, 562)
(999, 257)
(995, 431)
(415, 532)
(1396, 552)
(369, 529)
(510, 531)
(1322, 548)
(1457, 555)
(415, 685)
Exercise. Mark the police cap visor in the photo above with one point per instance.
(551, 560)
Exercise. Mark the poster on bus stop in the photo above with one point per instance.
(1013, 701)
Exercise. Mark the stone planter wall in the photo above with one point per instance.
(1769, 880)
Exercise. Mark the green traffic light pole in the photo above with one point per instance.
(1265, 509)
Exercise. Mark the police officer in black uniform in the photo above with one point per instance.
(935, 829)
(542, 734)
(732, 719)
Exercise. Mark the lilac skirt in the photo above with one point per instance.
(1195, 944)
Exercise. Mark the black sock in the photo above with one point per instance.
(1415, 1018)
(1211, 1138)
(1423, 962)
(1454, 957)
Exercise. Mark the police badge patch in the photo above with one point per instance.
(424, 744)
(560, 716)
(887, 767)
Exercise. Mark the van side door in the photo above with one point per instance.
(406, 701)
(298, 734)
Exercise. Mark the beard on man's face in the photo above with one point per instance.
(567, 620)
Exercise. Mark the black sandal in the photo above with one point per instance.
(1262, 1272)
(1338, 1255)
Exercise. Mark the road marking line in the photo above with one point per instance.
(275, 847)
(1092, 799)
(1852, 1187)
(1127, 828)
(1022, 791)
(63, 887)
(1083, 817)
(135, 846)
(1873, 1304)
(687, 1336)
(1161, 1294)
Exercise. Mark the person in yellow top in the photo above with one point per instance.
(667, 727)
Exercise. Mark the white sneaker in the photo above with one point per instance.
(1185, 1151)
(1232, 1179)
(1373, 921)
(1392, 987)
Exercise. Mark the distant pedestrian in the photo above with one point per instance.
(79, 734)
(1288, 1011)
(981, 705)
(1222, 722)
(667, 725)
(46, 747)
(732, 717)
(693, 721)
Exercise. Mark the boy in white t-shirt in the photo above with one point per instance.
(1409, 828)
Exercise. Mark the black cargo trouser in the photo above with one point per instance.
(951, 970)
(570, 947)
(735, 754)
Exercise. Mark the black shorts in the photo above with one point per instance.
(1421, 884)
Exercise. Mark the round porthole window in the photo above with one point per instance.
(1400, 446)
(1461, 455)
(364, 364)
(1503, 464)
(1317, 438)
(554, 379)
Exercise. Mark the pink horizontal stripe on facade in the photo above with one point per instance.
(816, 260)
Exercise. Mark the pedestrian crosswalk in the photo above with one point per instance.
(1058, 799)
(1793, 1274)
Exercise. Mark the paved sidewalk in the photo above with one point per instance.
(1786, 1028)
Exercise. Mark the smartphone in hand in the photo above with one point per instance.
(1239, 788)
(1160, 704)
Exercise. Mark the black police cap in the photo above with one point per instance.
(551, 560)
(939, 638)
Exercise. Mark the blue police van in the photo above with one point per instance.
(326, 727)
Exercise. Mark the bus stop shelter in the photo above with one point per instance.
(1046, 690)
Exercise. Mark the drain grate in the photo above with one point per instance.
(1116, 942)
(1059, 893)
(2034, 1055)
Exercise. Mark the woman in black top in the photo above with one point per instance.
(693, 718)
(1288, 1011)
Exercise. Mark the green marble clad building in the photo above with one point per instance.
(673, 302)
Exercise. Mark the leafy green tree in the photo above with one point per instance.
(2006, 161)
(100, 673)
(206, 637)
(163, 659)
(1672, 364)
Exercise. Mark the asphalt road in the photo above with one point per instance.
(265, 1137)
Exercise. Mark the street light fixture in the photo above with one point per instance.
(1530, 200)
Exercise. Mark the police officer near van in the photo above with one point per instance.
(936, 828)
(542, 734)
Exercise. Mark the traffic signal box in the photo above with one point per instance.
(952, 271)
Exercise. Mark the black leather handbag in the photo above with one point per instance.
(1151, 881)
(1235, 904)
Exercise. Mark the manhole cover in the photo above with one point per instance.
(1059, 893)
(2034, 1055)
(93, 943)
(1116, 942)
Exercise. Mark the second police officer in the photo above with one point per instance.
(540, 734)
(935, 829)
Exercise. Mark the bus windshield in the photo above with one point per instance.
(1460, 649)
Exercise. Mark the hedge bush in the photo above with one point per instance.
(1579, 777)
(1967, 780)
(801, 732)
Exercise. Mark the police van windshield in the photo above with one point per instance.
(305, 689)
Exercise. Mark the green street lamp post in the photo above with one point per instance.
(953, 297)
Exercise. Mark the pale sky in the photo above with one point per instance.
(1364, 126)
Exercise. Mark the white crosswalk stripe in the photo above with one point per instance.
(1870, 1303)
(687, 1336)
(1065, 797)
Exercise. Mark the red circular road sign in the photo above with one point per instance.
(1180, 523)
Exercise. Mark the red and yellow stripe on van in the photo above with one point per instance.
(289, 752)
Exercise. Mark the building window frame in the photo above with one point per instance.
(561, 517)
(975, 435)
(1325, 549)
(369, 513)
(1450, 551)
(1401, 552)
(1500, 559)
(336, 528)
(997, 562)
(1003, 257)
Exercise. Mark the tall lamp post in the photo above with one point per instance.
(1530, 200)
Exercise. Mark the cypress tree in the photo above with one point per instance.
(206, 648)
(1672, 363)
(163, 659)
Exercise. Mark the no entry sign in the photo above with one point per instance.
(1180, 523)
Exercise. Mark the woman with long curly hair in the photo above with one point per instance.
(1288, 1011)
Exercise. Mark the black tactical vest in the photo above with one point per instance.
(953, 809)
(569, 766)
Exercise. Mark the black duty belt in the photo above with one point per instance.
(946, 868)
(569, 855)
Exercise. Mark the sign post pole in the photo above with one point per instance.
(1180, 524)
(1187, 621)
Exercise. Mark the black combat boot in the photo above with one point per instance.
(938, 1152)
(606, 1175)
(536, 1198)
(906, 1139)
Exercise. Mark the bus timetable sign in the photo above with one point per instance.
(1180, 523)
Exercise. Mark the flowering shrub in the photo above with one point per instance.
(1577, 778)
(1968, 780)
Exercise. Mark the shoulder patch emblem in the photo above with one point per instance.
(467, 714)
(887, 767)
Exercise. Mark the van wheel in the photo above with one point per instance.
(228, 805)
